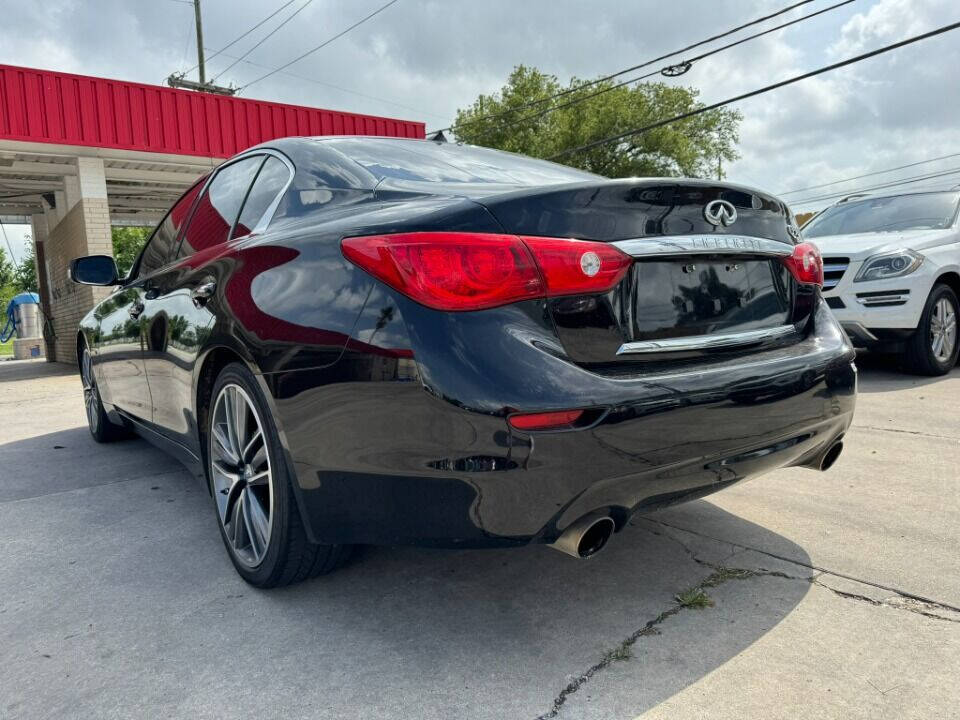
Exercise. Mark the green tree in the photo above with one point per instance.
(25, 274)
(127, 244)
(688, 147)
(7, 289)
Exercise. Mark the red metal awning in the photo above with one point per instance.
(54, 107)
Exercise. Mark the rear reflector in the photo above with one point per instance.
(545, 421)
(473, 271)
(805, 264)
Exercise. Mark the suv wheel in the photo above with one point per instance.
(258, 516)
(932, 350)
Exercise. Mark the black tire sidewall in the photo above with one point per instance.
(105, 431)
(283, 501)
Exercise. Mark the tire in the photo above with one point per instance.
(251, 484)
(100, 426)
(939, 320)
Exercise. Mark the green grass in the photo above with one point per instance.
(694, 598)
(6, 349)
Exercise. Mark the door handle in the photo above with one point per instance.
(135, 310)
(203, 292)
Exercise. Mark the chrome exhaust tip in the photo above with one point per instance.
(586, 536)
(825, 459)
(830, 456)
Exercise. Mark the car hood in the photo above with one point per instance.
(863, 245)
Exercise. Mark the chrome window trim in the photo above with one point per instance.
(664, 245)
(707, 342)
(268, 214)
(271, 210)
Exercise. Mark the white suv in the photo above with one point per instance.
(892, 273)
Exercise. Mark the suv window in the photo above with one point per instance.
(159, 248)
(917, 211)
(219, 206)
(270, 181)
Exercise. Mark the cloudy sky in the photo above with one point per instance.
(421, 59)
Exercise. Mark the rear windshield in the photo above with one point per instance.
(425, 161)
(922, 211)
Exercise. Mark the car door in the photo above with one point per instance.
(120, 360)
(177, 315)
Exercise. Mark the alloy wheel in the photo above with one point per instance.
(91, 399)
(943, 329)
(241, 475)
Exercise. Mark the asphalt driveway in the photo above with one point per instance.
(802, 594)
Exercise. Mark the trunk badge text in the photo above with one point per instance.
(720, 212)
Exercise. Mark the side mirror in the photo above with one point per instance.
(93, 270)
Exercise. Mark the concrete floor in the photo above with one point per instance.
(830, 595)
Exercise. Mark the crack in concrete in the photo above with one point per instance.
(823, 571)
(905, 604)
(721, 574)
(907, 432)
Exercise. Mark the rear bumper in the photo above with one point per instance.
(391, 462)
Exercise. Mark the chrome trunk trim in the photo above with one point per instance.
(703, 245)
(707, 342)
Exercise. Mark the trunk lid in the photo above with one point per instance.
(706, 276)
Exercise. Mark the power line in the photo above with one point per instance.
(318, 47)
(869, 174)
(306, 78)
(644, 64)
(883, 186)
(684, 66)
(262, 41)
(760, 91)
(240, 37)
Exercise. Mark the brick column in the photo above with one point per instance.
(83, 228)
(39, 232)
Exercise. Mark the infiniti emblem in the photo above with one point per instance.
(720, 212)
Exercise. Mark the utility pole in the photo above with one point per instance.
(719, 167)
(179, 81)
(199, 23)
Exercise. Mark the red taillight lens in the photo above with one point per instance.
(473, 271)
(578, 267)
(545, 421)
(805, 264)
(450, 271)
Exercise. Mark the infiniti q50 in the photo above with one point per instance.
(384, 341)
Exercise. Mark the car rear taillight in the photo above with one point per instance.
(473, 271)
(805, 264)
(578, 267)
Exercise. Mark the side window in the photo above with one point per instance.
(162, 243)
(270, 181)
(219, 206)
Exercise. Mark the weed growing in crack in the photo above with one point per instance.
(694, 598)
(623, 651)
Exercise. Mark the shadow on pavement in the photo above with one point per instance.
(884, 373)
(119, 594)
(13, 370)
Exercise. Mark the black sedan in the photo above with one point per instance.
(363, 340)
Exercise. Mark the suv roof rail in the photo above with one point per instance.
(855, 196)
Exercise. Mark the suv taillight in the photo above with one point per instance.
(805, 264)
(473, 271)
